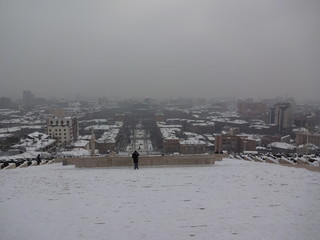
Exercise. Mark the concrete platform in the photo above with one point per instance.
(116, 161)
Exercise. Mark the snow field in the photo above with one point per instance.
(232, 199)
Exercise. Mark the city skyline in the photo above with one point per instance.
(27, 97)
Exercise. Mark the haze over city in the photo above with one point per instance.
(159, 119)
(160, 49)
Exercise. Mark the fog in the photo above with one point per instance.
(160, 48)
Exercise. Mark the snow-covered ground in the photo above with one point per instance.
(232, 199)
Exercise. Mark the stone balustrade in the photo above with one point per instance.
(23, 165)
(10, 166)
(283, 161)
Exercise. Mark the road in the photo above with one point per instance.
(140, 141)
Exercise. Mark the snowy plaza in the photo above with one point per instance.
(232, 199)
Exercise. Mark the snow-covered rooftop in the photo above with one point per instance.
(228, 120)
(98, 127)
(300, 130)
(10, 130)
(109, 136)
(203, 124)
(105, 127)
(76, 152)
(94, 120)
(15, 121)
(85, 137)
(23, 156)
(5, 135)
(192, 141)
(309, 146)
(17, 129)
(80, 143)
(36, 145)
(232, 199)
(38, 135)
(282, 145)
(8, 112)
(169, 133)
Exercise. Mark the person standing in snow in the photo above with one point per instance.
(38, 159)
(135, 157)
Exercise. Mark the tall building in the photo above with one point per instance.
(5, 103)
(63, 129)
(28, 100)
(280, 115)
(103, 101)
(249, 109)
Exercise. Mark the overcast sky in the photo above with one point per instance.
(160, 48)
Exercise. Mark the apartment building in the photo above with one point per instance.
(171, 145)
(233, 143)
(192, 146)
(307, 137)
(108, 141)
(63, 129)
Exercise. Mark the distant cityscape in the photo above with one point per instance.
(60, 128)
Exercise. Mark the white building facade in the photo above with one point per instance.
(63, 129)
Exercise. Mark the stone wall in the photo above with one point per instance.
(116, 161)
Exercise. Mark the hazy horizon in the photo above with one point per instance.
(242, 49)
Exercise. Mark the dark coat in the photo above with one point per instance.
(135, 157)
(38, 159)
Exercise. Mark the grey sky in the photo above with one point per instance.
(160, 48)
